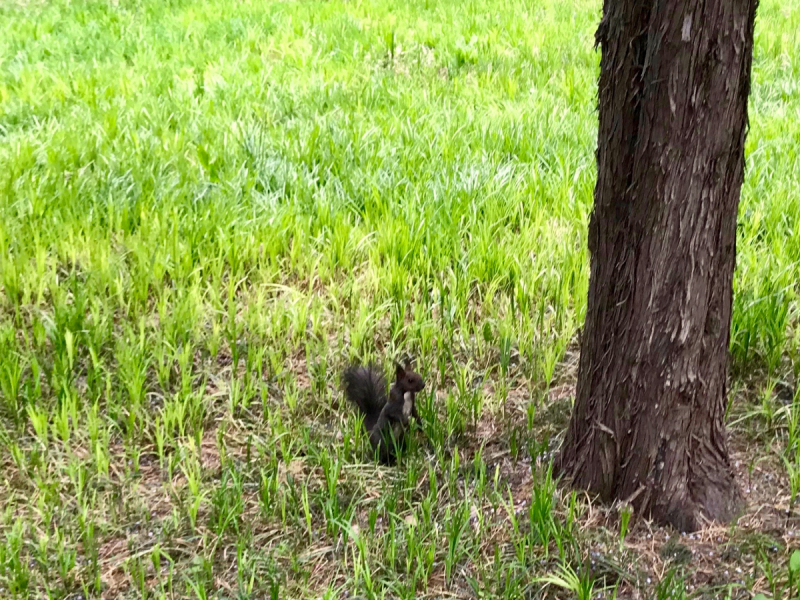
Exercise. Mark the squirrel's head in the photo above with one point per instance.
(408, 380)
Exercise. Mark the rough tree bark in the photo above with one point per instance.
(648, 424)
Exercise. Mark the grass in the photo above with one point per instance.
(208, 209)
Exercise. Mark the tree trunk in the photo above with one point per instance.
(649, 420)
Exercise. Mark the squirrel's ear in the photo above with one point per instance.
(400, 372)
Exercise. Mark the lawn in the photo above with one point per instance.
(209, 208)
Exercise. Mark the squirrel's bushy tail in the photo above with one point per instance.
(366, 388)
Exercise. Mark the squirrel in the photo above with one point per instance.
(385, 419)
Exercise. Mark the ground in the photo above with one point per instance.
(208, 209)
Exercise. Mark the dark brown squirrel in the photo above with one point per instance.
(386, 420)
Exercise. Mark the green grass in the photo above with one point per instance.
(208, 208)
